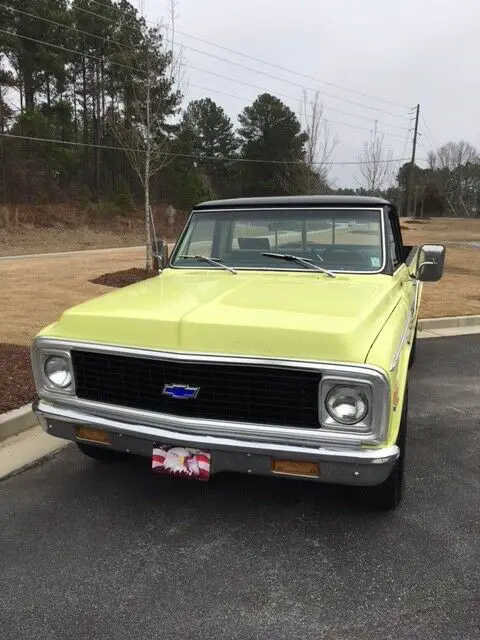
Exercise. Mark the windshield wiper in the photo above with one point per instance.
(216, 262)
(305, 261)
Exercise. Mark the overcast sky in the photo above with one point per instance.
(406, 52)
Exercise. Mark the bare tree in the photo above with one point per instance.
(375, 162)
(453, 165)
(144, 131)
(453, 155)
(319, 147)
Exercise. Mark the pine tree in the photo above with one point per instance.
(271, 131)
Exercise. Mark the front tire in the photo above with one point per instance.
(100, 453)
(388, 495)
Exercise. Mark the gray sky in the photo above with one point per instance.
(409, 52)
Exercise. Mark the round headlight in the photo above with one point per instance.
(57, 371)
(346, 405)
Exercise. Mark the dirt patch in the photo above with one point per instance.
(16, 380)
(122, 278)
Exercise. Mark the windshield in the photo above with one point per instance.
(337, 240)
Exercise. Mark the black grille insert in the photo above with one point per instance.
(239, 393)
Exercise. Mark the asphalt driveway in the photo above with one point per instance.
(91, 551)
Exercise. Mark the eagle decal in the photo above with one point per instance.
(182, 462)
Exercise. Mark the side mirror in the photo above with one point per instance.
(159, 254)
(431, 261)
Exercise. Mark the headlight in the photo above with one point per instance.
(346, 405)
(57, 371)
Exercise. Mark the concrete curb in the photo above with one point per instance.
(16, 421)
(448, 322)
(26, 450)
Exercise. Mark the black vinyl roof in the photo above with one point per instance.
(287, 202)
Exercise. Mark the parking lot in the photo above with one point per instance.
(92, 551)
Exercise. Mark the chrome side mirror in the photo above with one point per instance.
(431, 261)
(159, 254)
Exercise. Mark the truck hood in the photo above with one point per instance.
(292, 315)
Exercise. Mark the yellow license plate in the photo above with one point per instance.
(295, 468)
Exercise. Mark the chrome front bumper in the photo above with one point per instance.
(338, 465)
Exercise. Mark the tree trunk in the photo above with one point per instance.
(48, 92)
(75, 125)
(85, 122)
(146, 186)
(148, 227)
(114, 156)
(4, 175)
(29, 88)
(97, 131)
(105, 186)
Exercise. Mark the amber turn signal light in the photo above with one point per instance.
(93, 435)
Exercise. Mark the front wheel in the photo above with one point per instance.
(388, 495)
(100, 453)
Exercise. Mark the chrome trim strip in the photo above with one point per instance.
(355, 456)
(368, 374)
(381, 210)
(404, 337)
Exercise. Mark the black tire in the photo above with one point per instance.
(388, 495)
(100, 453)
(413, 351)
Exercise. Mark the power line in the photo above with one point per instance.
(110, 41)
(359, 104)
(254, 86)
(342, 124)
(66, 49)
(132, 68)
(189, 155)
(295, 84)
(276, 66)
(66, 26)
(347, 113)
(428, 132)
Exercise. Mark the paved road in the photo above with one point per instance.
(113, 552)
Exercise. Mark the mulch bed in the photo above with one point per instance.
(122, 278)
(16, 381)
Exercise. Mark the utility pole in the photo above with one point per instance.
(412, 164)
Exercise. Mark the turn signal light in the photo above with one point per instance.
(93, 435)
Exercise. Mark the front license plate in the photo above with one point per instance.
(295, 468)
(181, 462)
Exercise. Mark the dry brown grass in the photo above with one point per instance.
(35, 291)
(27, 229)
(458, 292)
(440, 230)
(28, 241)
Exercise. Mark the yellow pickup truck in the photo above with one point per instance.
(276, 340)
